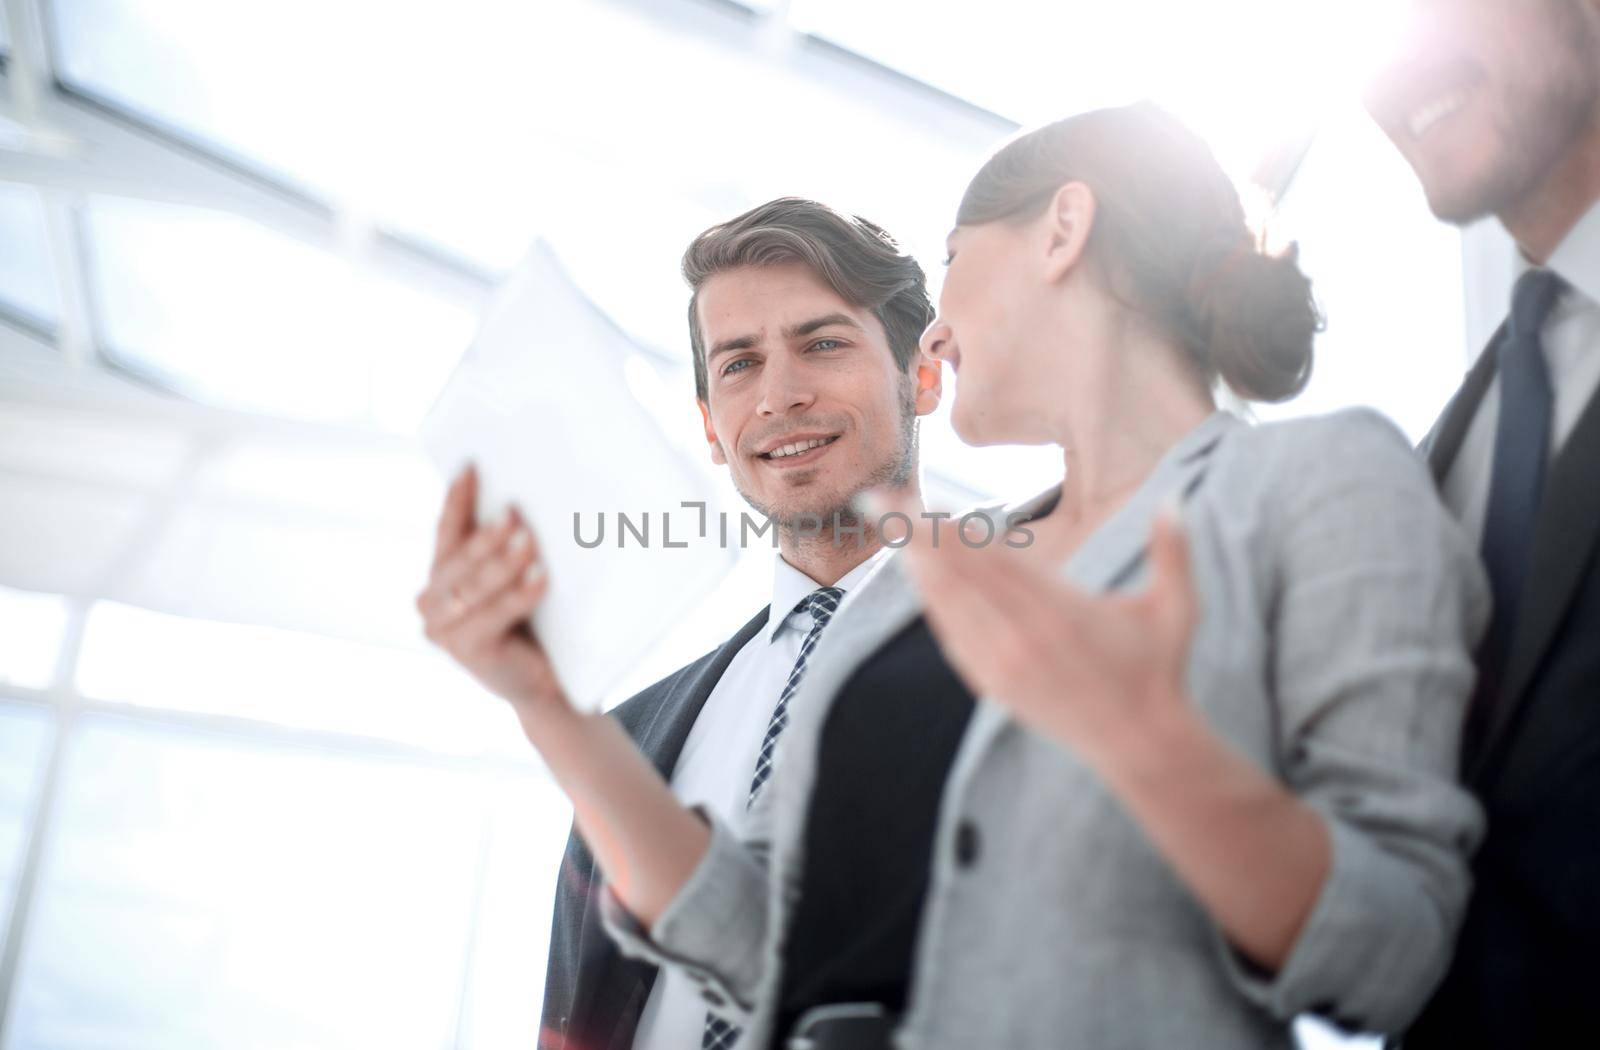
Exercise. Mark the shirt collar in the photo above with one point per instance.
(789, 585)
(1576, 259)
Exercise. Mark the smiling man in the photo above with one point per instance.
(804, 325)
(1496, 105)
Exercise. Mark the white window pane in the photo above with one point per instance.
(201, 892)
(233, 313)
(25, 737)
(490, 148)
(31, 627)
(293, 679)
(1003, 55)
(512, 941)
(1036, 62)
(27, 281)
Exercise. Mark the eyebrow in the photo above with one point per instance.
(805, 328)
(796, 331)
(743, 342)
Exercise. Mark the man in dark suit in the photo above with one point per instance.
(1496, 105)
(804, 325)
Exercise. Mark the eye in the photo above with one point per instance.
(950, 258)
(730, 369)
(827, 344)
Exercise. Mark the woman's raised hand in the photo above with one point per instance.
(1094, 672)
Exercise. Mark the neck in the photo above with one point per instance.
(1117, 422)
(1541, 220)
(827, 557)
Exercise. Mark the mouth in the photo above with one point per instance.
(796, 451)
(1424, 99)
(1435, 111)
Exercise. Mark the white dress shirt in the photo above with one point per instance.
(719, 758)
(1571, 337)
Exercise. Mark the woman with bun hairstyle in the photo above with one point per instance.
(1171, 763)
(1209, 783)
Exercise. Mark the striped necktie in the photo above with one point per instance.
(821, 604)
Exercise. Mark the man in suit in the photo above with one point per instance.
(804, 326)
(1496, 105)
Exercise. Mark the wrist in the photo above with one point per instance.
(547, 720)
(1167, 738)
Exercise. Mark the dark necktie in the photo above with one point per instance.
(821, 604)
(1521, 447)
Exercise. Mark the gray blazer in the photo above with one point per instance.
(1340, 604)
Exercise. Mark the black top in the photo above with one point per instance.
(882, 759)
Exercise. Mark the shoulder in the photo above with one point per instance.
(636, 713)
(1315, 456)
(1347, 487)
(1358, 432)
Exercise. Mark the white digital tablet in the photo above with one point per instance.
(546, 402)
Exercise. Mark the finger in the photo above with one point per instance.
(500, 569)
(884, 505)
(900, 523)
(533, 537)
(1034, 615)
(948, 568)
(447, 584)
(491, 619)
(975, 560)
(1172, 595)
(456, 519)
(975, 624)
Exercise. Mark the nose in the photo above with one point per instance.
(938, 340)
(785, 387)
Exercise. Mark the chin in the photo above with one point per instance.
(979, 427)
(1458, 205)
(965, 430)
(819, 498)
(1460, 192)
(967, 421)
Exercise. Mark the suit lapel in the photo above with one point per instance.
(1444, 441)
(1564, 537)
(609, 981)
(663, 736)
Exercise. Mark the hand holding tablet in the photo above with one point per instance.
(545, 406)
(485, 581)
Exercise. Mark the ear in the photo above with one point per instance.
(717, 455)
(1068, 222)
(929, 377)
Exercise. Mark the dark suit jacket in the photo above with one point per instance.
(592, 994)
(1527, 965)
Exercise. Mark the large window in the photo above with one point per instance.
(234, 314)
(27, 283)
(265, 840)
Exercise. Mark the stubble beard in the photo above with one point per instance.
(818, 524)
(1537, 129)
